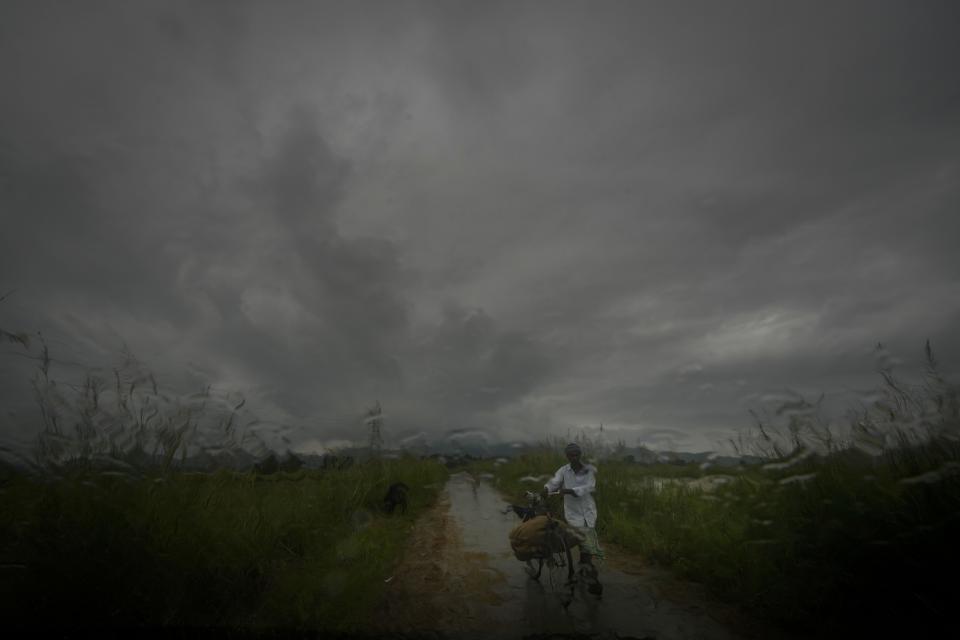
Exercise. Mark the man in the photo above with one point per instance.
(577, 482)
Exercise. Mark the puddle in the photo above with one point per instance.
(460, 577)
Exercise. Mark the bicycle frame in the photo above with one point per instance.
(556, 551)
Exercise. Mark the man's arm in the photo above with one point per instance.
(554, 483)
(588, 488)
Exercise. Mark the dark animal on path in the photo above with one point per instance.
(396, 497)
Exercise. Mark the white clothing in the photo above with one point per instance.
(579, 510)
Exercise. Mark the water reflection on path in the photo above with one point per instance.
(630, 605)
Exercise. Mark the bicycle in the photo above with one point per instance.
(553, 546)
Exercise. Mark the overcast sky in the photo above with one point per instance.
(517, 218)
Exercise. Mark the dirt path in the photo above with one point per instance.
(439, 585)
(458, 577)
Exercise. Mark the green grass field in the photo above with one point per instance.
(302, 550)
(864, 530)
(812, 543)
(830, 535)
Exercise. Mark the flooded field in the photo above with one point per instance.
(706, 483)
(460, 577)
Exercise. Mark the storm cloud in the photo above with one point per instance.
(512, 218)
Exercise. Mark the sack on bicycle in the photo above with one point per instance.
(529, 540)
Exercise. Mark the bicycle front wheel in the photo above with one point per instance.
(560, 562)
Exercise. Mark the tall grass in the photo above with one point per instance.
(105, 528)
(123, 416)
(304, 550)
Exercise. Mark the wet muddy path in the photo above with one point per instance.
(459, 577)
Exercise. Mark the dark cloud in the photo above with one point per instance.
(304, 182)
(471, 364)
(488, 216)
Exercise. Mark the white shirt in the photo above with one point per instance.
(580, 510)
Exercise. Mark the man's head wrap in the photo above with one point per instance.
(573, 447)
